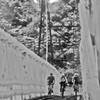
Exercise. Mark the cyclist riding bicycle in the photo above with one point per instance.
(51, 82)
(62, 84)
(76, 82)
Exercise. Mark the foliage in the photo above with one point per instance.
(66, 27)
(21, 19)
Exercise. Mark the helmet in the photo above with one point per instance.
(76, 74)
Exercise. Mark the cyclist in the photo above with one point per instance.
(51, 82)
(62, 84)
(76, 82)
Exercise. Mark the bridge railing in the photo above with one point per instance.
(21, 71)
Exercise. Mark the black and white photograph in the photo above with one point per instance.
(49, 49)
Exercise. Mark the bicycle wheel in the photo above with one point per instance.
(50, 90)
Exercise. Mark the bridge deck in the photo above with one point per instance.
(55, 97)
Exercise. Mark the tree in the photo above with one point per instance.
(64, 29)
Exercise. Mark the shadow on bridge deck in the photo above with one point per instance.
(55, 97)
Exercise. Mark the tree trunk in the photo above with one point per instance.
(89, 47)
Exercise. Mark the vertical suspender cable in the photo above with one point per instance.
(46, 5)
(51, 45)
(40, 27)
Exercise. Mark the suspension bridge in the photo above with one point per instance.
(23, 74)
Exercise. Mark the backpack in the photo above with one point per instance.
(77, 80)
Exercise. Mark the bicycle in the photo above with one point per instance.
(50, 89)
(62, 90)
(76, 90)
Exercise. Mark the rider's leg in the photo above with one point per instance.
(52, 88)
(48, 89)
